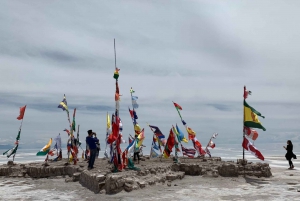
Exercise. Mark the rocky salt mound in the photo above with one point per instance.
(101, 179)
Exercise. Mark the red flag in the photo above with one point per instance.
(250, 133)
(212, 144)
(198, 146)
(22, 112)
(246, 93)
(170, 144)
(115, 131)
(249, 146)
(177, 106)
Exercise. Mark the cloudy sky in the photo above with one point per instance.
(199, 54)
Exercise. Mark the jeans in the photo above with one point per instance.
(136, 154)
(92, 158)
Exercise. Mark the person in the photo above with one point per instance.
(289, 153)
(97, 145)
(136, 151)
(93, 148)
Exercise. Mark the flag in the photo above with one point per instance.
(158, 134)
(250, 133)
(63, 104)
(11, 151)
(140, 139)
(73, 123)
(207, 151)
(250, 117)
(68, 132)
(178, 107)
(133, 116)
(191, 133)
(134, 103)
(116, 73)
(107, 122)
(153, 154)
(181, 135)
(57, 142)
(22, 112)
(115, 131)
(45, 149)
(176, 139)
(246, 93)
(188, 152)
(117, 93)
(253, 150)
(131, 90)
(211, 144)
(198, 146)
(214, 135)
(169, 145)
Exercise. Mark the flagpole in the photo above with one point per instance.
(243, 125)
(20, 133)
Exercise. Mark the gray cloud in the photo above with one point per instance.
(198, 54)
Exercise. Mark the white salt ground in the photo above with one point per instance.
(283, 185)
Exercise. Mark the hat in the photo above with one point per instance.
(90, 131)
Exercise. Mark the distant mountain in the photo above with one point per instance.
(5, 146)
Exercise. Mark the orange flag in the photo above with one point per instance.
(22, 112)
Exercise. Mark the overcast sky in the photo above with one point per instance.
(199, 54)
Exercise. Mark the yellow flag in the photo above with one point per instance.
(108, 121)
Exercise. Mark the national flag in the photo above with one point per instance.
(153, 154)
(211, 144)
(116, 73)
(140, 138)
(107, 122)
(129, 140)
(45, 149)
(57, 142)
(178, 107)
(188, 152)
(73, 122)
(158, 134)
(131, 90)
(176, 138)
(181, 135)
(250, 133)
(131, 146)
(134, 103)
(214, 135)
(117, 93)
(63, 104)
(11, 151)
(137, 129)
(252, 149)
(22, 112)
(207, 151)
(67, 131)
(115, 131)
(191, 133)
(246, 93)
(169, 145)
(198, 146)
(133, 116)
(250, 117)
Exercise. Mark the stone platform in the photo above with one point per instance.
(152, 171)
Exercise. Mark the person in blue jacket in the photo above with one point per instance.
(91, 141)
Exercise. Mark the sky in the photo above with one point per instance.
(199, 54)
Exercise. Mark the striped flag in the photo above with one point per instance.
(188, 152)
(63, 104)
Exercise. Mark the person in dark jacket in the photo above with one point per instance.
(93, 148)
(289, 153)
